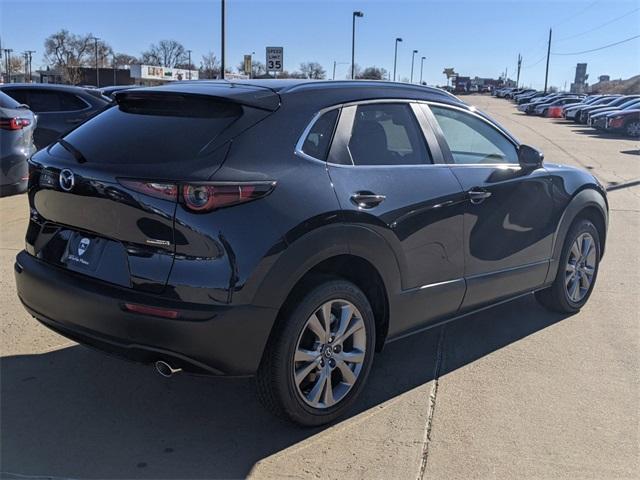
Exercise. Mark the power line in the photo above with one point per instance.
(571, 17)
(599, 26)
(535, 63)
(599, 48)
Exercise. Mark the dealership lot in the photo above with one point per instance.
(512, 392)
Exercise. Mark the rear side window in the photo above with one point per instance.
(69, 102)
(318, 139)
(387, 134)
(44, 101)
(19, 96)
(153, 129)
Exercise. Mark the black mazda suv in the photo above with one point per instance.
(289, 229)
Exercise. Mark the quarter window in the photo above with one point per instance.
(387, 134)
(472, 140)
(318, 139)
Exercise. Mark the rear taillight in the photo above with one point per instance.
(615, 122)
(210, 196)
(202, 197)
(15, 123)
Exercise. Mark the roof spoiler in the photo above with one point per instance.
(247, 95)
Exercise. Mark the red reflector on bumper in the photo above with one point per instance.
(154, 311)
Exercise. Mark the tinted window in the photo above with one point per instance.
(44, 101)
(153, 129)
(18, 95)
(387, 134)
(319, 138)
(69, 102)
(472, 140)
(7, 102)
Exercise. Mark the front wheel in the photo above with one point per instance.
(577, 270)
(318, 359)
(633, 129)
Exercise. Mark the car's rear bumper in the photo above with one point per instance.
(224, 340)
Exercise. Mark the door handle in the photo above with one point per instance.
(367, 199)
(478, 195)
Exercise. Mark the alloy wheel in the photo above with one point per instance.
(581, 267)
(329, 354)
(633, 129)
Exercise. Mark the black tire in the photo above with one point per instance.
(633, 129)
(556, 297)
(276, 386)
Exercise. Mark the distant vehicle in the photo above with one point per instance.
(528, 97)
(199, 234)
(110, 92)
(530, 107)
(627, 122)
(581, 114)
(17, 124)
(570, 111)
(59, 108)
(541, 109)
(619, 104)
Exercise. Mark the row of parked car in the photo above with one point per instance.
(608, 112)
(33, 115)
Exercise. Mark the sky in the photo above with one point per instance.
(475, 37)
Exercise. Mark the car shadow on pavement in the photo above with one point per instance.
(77, 413)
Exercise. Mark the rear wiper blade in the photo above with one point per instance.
(77, 154)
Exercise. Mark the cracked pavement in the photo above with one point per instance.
(512, 392)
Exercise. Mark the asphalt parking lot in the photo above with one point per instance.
(513, 392)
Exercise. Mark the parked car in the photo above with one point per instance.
(627, 122)
(59, 108)
(542, 108)
(620, 104)
(290, 229)
(599, 120)
(569, 111)
(529, 108)
(580, 115)
(17, 123)
(529, 97)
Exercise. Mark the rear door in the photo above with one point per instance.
(508, 219)
(389, 179)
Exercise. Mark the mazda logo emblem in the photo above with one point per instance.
(67, 180)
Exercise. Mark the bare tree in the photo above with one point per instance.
(312, 70)
(373, 73)
(66, 51)
(123, 59)
(166, 53)
(209, 66)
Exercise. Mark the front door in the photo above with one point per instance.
(508, 224)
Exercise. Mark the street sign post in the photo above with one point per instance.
(275, 59)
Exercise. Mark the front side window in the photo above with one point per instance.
(387, 134)
(44, 101)
(318, 139)
(472, 140)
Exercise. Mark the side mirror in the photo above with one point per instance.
(529, 157)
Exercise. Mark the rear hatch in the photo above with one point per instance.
(103, 198)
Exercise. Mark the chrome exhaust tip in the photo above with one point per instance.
(166, 370)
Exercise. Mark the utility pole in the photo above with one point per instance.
(25, 55)
(222, 22)
(189, 53)
(353, 43)
(422, 67)
(395, 58)
(7, 58)
(413, 57)
(518, 76)
(113, 62)
(546, 73)
(30, 53)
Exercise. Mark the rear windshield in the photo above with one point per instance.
(7, 102)
(153, 129)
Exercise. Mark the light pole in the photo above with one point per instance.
(189, 53)
(222, 40)
(113, 61)
(353, 42)
(95, 39)
(422, 67)
(413, 56)
(395, 58)
(334, 67)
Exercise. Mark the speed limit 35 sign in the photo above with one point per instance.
(275, 59)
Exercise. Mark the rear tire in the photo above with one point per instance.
(577, 270)
(633, 129)
(312, 372)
